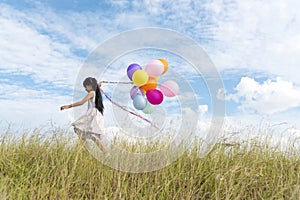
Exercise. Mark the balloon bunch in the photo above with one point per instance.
(146, 82)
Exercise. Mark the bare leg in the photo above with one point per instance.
(99, 143)
(79, 133)
(83, 136)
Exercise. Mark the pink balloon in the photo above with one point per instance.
(169, 88)
(154, 68)
(155, 96)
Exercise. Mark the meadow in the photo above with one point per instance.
(34, 167)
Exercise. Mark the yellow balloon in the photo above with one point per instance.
(140, 77)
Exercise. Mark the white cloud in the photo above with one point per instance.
(203, 109)
(41, 42)
(120, 4)
(254, 35)
(257, 35)
(38, 45)
(35, 111)
(240, 34)
(27, 52)
(266, 98)
(221, 94)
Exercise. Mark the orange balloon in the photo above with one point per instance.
(150, 85)
(166, 65)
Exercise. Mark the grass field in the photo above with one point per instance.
(38, 168)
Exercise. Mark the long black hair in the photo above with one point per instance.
(98, 101)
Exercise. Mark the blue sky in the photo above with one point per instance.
(255, 45)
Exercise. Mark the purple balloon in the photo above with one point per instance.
(155, 96)
(131, 69)
(136, 90)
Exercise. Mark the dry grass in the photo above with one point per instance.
(37, 168)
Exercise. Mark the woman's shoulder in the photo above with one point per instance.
(91, 94)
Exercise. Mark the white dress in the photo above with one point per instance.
(90, 124)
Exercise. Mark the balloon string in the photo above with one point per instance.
(118, 105)
(117, 82)
(120, 82)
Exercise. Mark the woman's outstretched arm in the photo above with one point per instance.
(78, 103)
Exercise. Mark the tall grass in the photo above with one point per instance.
(38, 168)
